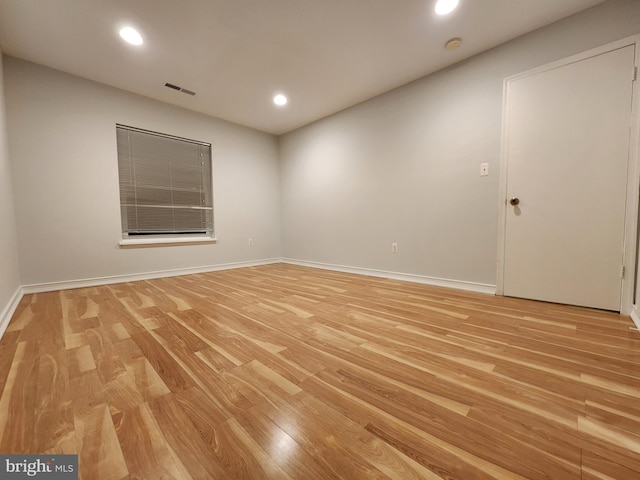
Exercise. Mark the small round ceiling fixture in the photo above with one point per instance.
(280, 100)
(453, 44)
(444, 7)
(131, 35)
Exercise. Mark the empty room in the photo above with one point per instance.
(319, 239)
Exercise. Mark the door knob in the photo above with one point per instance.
(514, 201)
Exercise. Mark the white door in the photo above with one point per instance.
(567, 151)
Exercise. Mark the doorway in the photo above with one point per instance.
(566, 186)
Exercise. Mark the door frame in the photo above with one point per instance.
(633, 180)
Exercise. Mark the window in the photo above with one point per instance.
(165, 185)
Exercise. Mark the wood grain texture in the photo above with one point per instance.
(285, 372)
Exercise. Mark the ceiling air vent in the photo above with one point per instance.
(180, 89)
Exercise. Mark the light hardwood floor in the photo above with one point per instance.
(284, 372)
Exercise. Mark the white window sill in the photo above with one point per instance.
(150, 242)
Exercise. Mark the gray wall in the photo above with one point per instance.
(404, 167)
(65, 178)
(9, 273)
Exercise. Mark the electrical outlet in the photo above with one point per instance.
(394, 248)
(251, 242)
(484, 169)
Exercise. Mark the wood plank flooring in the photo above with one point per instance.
(285, 372)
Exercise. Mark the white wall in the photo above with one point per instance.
(9, 273)
(65, 178)
(404, 167)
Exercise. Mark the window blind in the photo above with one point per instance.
(165, 184)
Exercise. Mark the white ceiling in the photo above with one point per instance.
(326, 55)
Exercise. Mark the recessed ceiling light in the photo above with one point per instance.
(131, 35)
(443, 7)
(280, 100)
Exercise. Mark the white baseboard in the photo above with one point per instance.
(9, 310)
(405, 277)
(635, 316)
(94, 282)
